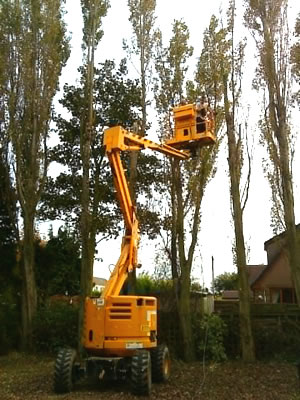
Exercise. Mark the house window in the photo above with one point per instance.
(275, 296)
(284, 295)
(288, 296)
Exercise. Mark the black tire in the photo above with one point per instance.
(64, 373)
(141, 378)
(160, 361)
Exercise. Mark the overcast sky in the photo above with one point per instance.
(216, 236)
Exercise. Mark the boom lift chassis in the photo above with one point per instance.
(120, 331)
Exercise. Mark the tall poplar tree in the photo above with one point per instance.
(93, 11)
(142, 19)
(219, 77)
(268, 23)
(231, 78)
(187, 180)
(34, 49)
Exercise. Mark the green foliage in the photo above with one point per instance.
(33, 48)
(96, 293)
(171, 66)
(147, 285)
(209, 69)
(93, 11)
(35, 34)
(295, 58)
(55, 326)
(58, 265)
(162, 268)
(10, 282)
(10, 277)
(226, 281)
(209, 335)
(277, 340)
(116, 99)
(8, 202)
(142, 19)
(9, 323)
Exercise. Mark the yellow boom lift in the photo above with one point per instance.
(120, 331)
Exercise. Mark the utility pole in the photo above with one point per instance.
(213, 276)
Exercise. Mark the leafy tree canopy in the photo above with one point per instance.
(116, 101)
(226, 281)
(115, 98)
(58, 264)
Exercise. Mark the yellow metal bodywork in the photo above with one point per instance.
(118, 139)
(117, 325)
(190, 129)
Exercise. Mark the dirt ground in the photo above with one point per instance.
(31, 377)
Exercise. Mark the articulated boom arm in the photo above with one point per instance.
(117, 139)
(116, 325)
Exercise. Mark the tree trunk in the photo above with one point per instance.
(184, 307)
(185, 320)
(87, 252)
(86, 137)
(132, 190)
(247, 342)
(29, 294)
(174, 256)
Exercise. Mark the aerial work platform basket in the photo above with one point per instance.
(194, 127)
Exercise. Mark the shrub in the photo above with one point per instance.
(9, 327)
(55, 326)
(209, 334)
(277, 340)
(148, 286)
(96, 293)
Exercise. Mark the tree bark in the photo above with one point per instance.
(86, 134)
(247, 342)
(184, 305)
(29, 294)
(185, 320)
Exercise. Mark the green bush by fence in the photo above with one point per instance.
(55, 326)
(209, 335)
(276, 329)
(277, 335)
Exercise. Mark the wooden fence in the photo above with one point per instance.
(261, 310)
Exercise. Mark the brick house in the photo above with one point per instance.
(273, 283)
(99, 284)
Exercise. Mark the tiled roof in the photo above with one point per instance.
(230, 294)
(99, 281)
(277, 237)
(254, 272)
